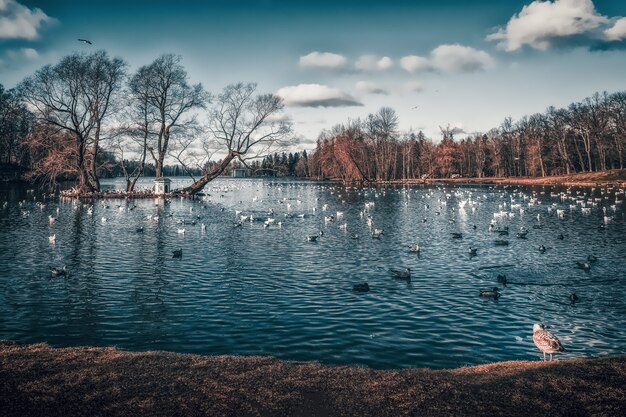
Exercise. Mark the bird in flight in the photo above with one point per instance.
(414, 107)
(85, 41)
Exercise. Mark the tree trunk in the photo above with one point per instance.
(197, 186)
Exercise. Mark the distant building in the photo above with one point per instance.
(239, 172)
(162, 185)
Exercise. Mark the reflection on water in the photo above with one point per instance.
(253, 289)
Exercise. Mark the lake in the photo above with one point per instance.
(252, 289)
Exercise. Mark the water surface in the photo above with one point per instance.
(256, 290)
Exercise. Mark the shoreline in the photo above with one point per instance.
(41, 380)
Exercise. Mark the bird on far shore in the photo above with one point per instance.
(546, 341)
(85, 41)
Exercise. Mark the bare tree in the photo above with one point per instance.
(75, 96)
(169, 103)
(245, 126)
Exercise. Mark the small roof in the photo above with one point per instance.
(162, 179)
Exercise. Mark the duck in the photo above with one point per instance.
(57, 272)
(178, 253)
(546, 341)
(456, 235)
(472, 251)
(542, 248)
(363, 287)
(573, 298)
(415, 248)
(492, 293)
(404, 274)
(502, 279)
(583, 265)
(312, 238)
(377, 233)
(354, 236)
(522, 235)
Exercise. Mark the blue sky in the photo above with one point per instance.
(467, 64)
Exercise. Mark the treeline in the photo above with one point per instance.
(586, 136)
(86, 117)
(281, 165)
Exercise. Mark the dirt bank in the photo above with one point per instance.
(37, 380)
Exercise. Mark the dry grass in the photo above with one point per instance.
(615, 177)
(37, 380)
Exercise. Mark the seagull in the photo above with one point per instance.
(414, 248)
(546, 341)
(84, 41)
(52, 239)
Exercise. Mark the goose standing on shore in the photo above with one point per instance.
(546, 341)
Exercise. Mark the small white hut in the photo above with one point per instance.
(162, 185)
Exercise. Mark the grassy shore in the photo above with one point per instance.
(614, 177)
(38, 380)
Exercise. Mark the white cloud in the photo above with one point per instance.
(315, 95)
(541, 23)
(20, 22)
(617, 32)
(323, 60)
(459, 58)
(414, 63)
(30, 53)
(413, 87)
(23, 53)
(373, 63)
(369, 88)
(449, 58)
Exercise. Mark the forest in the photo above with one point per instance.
(586, 136)
(86, 118)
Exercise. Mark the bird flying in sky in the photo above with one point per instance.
(85, 41)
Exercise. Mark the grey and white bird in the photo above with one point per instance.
(546, 341)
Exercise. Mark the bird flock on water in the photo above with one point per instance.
(288, 211)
